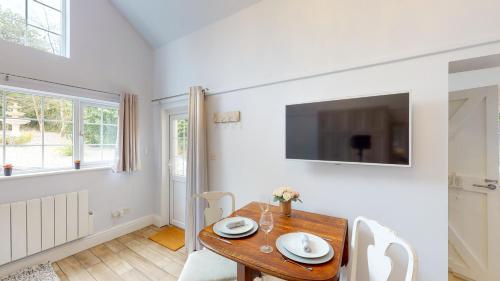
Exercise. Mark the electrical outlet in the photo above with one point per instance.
(115, 214)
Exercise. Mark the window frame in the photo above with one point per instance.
(79, 104)
(82, 105)
(64, 19)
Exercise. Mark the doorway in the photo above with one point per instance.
(473, 165)
(178, 125)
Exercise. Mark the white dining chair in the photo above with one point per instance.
(380, 265)
(205, 265)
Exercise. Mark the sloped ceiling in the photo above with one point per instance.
(161, 21)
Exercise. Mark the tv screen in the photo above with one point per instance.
(374, 130)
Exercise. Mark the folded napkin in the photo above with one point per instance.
(305, 243)
(235, 224)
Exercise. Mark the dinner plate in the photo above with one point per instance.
(234, 236)
(293, 243)
(281, 248)
(222, 225)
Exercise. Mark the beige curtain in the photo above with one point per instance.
(197, 176)
(128, 146)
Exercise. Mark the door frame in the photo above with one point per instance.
(169, 107)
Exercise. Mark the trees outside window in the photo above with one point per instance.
(38, 131)
(100, 131)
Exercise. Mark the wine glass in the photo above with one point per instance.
(266, 224)
(264, 203)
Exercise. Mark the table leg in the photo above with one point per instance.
(245, 273)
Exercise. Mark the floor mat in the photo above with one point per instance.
(39, 272)
(170, 237)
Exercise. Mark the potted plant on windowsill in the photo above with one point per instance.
(286, 195)
(7, 170)
(77, 164)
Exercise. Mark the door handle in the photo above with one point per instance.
(489, 186)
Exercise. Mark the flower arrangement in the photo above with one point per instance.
(286, 194)
(7, 166)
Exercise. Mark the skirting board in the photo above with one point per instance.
(74, 247)
(158, 221)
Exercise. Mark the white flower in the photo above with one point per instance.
(287, 196)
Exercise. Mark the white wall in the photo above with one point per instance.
(278, 39)
(282, 39)
(106, 54)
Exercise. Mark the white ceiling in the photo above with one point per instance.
(475, 63)
(161, 21)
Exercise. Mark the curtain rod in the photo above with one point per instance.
(181, 95)
(7, 75)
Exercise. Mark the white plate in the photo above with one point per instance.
(292, 242)
(230, 236)
(286, 253)
(222, 225)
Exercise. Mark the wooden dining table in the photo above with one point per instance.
(251, 261)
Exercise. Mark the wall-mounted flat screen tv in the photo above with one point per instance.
(367, 130)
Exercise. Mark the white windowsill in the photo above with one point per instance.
(51, 173)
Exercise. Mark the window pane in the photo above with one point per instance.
(23, 106)
(24, 157)
(92, 153)
(56, 4)
(181, 127)
(57, 132)
(110, 134)
(110, 116)
(32, 31)
(44, 17)
(92, 134)
(58, 109)
(92, 114)
(23, 132)
(1, 104)
(58, 156)
(109, 153)
(15, 7)
(43, 40)
(12, 26)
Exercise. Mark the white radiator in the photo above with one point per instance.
(29, 227)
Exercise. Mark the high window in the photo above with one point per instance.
(50, 132)
(40, 24)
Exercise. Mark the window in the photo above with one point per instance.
(40, 24)
(179, 145)
(38, 132)
(100, 131)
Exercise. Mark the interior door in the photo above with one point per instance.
(178, 168)
(474, 203)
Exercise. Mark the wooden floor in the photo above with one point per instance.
(132, 257)
(452, 277)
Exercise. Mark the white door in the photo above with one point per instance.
(474, 199)
(178, 166)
